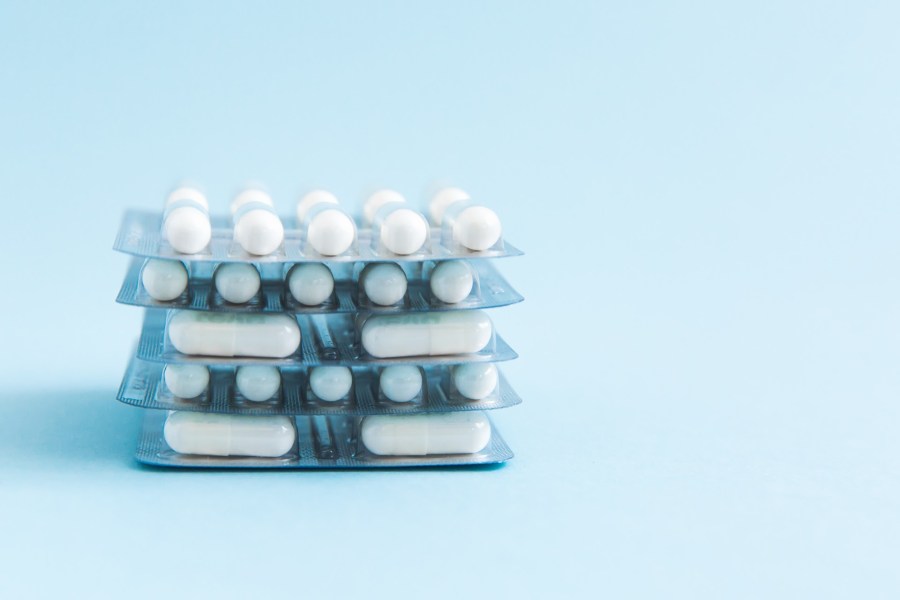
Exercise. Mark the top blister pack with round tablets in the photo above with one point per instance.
(320, 230)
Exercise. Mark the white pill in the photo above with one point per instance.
(403, 231)
(234, 334)
(311, 284)
(258, 383)
(476, 381)
(257, 227)
(330, 383)
(377, 200)
(164, 280)
(477, 228)
(186, 221)
(451, 281)
(400, 383)
(186, 381)
(330, 232)
(423, 434)
(237, 282)
(384, 283)
(212, 434)
(312, 199)
(426, 334)
(443, 199)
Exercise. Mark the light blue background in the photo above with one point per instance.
(708, 197)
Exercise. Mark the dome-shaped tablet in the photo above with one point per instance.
(186, 381)
(379, 199)
(310, 284)
(312, 199)
(258, 383)
(476, 381)
(401, 383)
(452, 281)
(186, 220)
(477, 228)
(331, 232)
(443, 199)
(384, 283)
(237, 283)
(330, 384)
(403, 231)
(164, 280)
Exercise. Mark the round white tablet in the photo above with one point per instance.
(312, 199)
(331, 232)
(403, 231)
(330, 383)
(477, 228)
(384, 283)
(380, 198)
(476, 381)
(237, 282)
(311, 284)
(442, 200)
(258, 383)
(451, 281)
(164, 280)
(401, 383)
(186, 381)
(186, 225)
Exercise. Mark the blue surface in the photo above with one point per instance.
(708, 198)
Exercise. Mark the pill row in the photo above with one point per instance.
(142, 233)
(315, 287)
(329, 229)
(214, 440)
(228, 338)
(263, 389)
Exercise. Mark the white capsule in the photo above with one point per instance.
(426, 334)
(377, 200)
(186, 221)
(186, 381)
(257, 227)
(400, 383)
(384, 283)
(212, 434)
(419, 435)
(329, 230)
(403, 231)
(234, 334)
(330, 383)
(477, 228)
(476, 381)
(237, 282)
(310, 284)
(443, 199)
(258, 383)
(451, 281)
(164, 280)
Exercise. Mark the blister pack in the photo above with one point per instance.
(232, 339)
(317, 391)
(315, 288)
(321, 340)
(207, 440)
(142, 234)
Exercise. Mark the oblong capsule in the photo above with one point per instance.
(426, 334)
(234, 334)
(423, 434)
(211, 434)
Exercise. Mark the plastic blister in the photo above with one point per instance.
(144, 385)
(193, 286)
(320, 442)
(323, 340)
(140, 234)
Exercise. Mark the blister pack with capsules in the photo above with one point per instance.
(324, 339)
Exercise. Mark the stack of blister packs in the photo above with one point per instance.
(320, 340)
